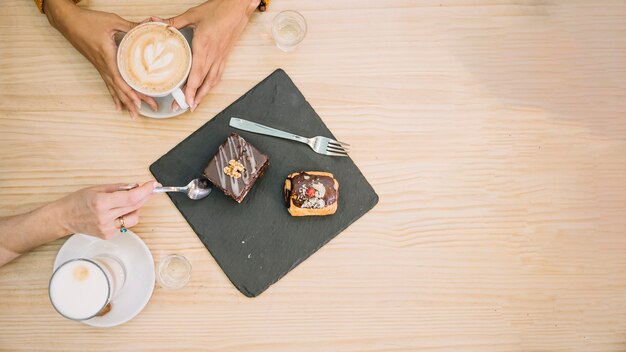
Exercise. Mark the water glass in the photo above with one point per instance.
(288, 29)
(173, 272)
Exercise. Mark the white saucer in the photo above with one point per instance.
(165, 108)
(165, 103)
(139, 276)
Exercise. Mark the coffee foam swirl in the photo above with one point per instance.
(154, 58)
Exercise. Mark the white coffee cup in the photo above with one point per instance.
(176, 91)
(81, 288)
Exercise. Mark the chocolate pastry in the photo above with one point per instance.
(311, 193)
(235, 167)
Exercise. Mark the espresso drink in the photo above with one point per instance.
(80, 289)
(154, 58)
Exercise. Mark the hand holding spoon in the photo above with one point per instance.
(196, 189)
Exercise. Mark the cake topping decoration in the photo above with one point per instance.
(312, 195)
(234, 169)
(320, 190)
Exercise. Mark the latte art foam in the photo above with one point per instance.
(154, 58)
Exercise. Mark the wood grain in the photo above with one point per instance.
(494, 132)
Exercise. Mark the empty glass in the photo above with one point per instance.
(288, 29)
(173, 272)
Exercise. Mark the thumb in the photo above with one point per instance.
(114, 187)
(133, 198)
(180, 21)
(143, 191)
(149, 19)
(122, 25)
(126, 202)
(156, 19)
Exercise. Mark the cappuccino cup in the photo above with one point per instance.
(154, 59)
(82, 288)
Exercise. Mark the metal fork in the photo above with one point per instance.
(319, 144)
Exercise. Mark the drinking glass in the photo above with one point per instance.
(174, 271)
(85, 305)
(288, 29)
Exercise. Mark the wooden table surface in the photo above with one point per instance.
(494, 132)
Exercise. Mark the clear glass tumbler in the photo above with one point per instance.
(288, 29)
(173, 272)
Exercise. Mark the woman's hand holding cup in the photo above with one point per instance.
(217, 25)
(92, 34)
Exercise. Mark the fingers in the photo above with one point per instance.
(112, 227)
(116, 99)
(202, 92)
(214, 76)
(148, 100)
(124, 92)
(130, 219)
(117, 212)
(109, 202)
(111, 89)
(112, 187)
(128, 103)
(183, 20)
(195, 79)
(191, 89)
(132, 199)
(198, 66)
(197, 74)
(128, 96)
(175, 106)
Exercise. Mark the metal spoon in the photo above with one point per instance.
(196, 189)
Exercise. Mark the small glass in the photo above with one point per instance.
(288, 29)
(173, 272)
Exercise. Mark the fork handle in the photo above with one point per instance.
(261, 129)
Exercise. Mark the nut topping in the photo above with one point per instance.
(234, 169)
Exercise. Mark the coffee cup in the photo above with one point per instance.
(83, 288)
(154, 59)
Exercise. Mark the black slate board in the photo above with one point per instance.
(257, 242)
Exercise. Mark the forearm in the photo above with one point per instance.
(22, 233)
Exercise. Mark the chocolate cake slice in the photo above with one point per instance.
(235, 167)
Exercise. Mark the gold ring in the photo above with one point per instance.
(122, 227)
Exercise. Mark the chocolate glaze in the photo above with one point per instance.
(254, 162)
(324, 192)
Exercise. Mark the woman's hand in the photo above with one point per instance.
(93, 211)
(96, 210)
(92, 34)
(217, 25)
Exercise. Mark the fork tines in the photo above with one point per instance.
(337, 148)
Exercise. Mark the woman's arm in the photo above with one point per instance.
(94, 211)
(21, 233)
